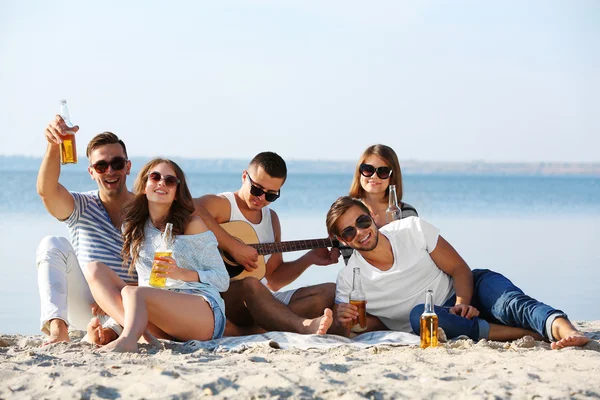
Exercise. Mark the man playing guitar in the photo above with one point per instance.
(254, 305)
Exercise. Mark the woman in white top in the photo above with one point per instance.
(189, 307)
(376, 170)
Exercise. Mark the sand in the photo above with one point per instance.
(457, 369)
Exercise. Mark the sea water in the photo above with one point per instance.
(541, 232)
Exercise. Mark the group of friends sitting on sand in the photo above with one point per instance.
(99, 279)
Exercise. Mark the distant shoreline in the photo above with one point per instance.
(409, 167)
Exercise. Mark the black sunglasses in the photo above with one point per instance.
(362, 222)
(117, 164)
(170, 180)
(367, 170)
(258, 191)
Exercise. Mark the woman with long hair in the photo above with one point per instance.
(189, 307)
(378, 168)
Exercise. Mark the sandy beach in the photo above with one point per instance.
(461, 369)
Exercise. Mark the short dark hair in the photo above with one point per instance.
(272, 163)
(102, 139)
(338, 208)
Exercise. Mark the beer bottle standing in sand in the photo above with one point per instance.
(164, 250)
(429, 323)
(393, 212)
(68, 149)
(359, 299)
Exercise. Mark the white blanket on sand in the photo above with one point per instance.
(287, 340)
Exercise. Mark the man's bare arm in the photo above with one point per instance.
(215, 210)
(56, 198)
(280, 273)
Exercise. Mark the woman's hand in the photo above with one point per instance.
(464, 310)
(166, 267)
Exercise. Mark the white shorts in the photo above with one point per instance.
(284, 296)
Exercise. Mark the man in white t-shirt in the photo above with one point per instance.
(401, 261)
(254, 305)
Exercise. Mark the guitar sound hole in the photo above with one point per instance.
(233, 268)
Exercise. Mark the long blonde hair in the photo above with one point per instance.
(391, 159)
(137, 213)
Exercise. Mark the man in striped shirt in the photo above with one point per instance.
(94, 222)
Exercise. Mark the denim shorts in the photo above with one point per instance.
(218, 313)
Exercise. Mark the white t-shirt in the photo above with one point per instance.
(392, 294)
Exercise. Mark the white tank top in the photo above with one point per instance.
(264, 229)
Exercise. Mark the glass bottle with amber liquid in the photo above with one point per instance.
(68, 148)
(393, 212)
(359, 299)
(429, 323)
(164, 250)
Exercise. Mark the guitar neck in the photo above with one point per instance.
(296, 245)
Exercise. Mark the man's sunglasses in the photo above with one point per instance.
(170, 180)
(117, 164)
(362, 222)
(258, 191)
(367, 170)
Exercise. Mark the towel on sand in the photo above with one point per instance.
(287, 340)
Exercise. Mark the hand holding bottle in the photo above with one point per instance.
(346, 314)
(57, 130)
(166, 267)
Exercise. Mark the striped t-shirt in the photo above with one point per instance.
(93, 235)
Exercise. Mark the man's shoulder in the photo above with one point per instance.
(401, 224)
(83, 199)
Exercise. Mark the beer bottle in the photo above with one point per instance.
(359, 299)
(164, 250)
(68, 148)
(429, 323)
(393, 212)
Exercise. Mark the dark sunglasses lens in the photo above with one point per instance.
(118, 163)
(101, 167)
(348, 234)
(384, 172)
(256, 191)
(270, 197)
(155, 176)
(366, 170)
(363, 222)
(171, 180)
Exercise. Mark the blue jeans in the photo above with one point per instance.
(499, 301)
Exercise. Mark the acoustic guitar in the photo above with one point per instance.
(243, 231)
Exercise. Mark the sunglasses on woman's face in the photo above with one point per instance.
(170, 180)
(367, 170)
(258, 191)
(362, 222)
(117, 164)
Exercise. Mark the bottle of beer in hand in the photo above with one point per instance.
(164, 250)
(393, 212)
(359, 299)
(429, 323)
(68, 149)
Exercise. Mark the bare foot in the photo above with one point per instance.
(149, 338)
(121, 345)
(319, 325)
(98, 335)
(577, 340)
(59, 332)
(566, 335)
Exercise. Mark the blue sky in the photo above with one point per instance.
(436, 80)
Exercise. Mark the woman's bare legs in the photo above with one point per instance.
(106, 287)
(182, 316)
